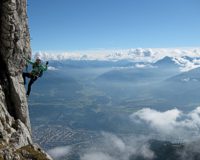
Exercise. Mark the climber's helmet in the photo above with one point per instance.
(38, 60)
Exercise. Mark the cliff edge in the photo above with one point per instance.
(15, 131)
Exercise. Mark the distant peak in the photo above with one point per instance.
(165, 61)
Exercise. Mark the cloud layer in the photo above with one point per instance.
(138, 54)
(59, 152)
(113, 147)
(174, 122)
(147, 55)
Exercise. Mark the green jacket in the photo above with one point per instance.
(37, 69)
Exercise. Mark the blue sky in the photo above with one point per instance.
(67, 25)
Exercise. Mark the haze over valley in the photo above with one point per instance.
(146, 102)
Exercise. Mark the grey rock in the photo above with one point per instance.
(15, 129)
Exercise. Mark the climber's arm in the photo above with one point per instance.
(45, 67)
(29, 61)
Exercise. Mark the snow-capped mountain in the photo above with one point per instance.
(186, 59)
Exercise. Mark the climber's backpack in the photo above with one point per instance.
(41, 72)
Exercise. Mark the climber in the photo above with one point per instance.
(36, 72)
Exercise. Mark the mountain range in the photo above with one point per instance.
(162, 79)
(84, 97)
(186, 58)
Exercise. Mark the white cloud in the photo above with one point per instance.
(163, 121)
(146, 152)
(59, 152)
(172, 123)
(51, 68)
(137, 54)
(148, 55)
(113, 147)
(115, 141)
(185, 64)
(138, 65)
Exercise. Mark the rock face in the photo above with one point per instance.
(15, 130)
(14, 43)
